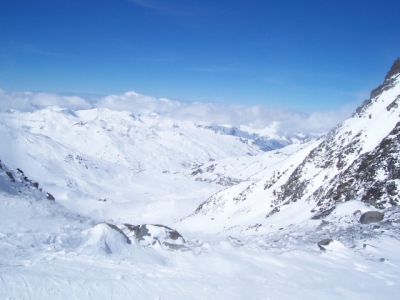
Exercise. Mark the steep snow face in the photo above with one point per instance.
(357, 160)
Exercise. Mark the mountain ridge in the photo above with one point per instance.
(346, 164)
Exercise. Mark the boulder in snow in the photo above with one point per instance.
(371, 217)
(332, 246)
(325, 242)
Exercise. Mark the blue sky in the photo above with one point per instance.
(304, 55)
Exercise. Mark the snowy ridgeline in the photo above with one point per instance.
(154, 208)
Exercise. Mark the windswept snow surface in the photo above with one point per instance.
(48, 253)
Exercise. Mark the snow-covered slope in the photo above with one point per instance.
(357, 160)
(111, 164)
(48, 253)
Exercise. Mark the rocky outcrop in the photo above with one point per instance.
(373, 177)
(371, 217)
(148, 235)
(15, 181)
(325, 242)
(389, 79)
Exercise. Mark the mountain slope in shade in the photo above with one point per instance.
(357, 160)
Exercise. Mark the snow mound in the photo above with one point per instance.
(103, 238)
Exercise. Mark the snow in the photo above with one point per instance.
(109, 170)
(47, 254)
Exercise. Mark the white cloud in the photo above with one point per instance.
(29, 101)
(256, 116)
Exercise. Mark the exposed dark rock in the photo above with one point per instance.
(389, 79)
(149, 235)
(50, 196)
(197, 172)
(19, 182)
(362, 108)
(324, 242)
(172, 233)
(371, 217)
(10, 175)
(394, 104)
(234, 241)
(140, 231)
(120, 231)
(322, 225)
(394, 70)
(272, 212)
(176, 246)
(323, 214)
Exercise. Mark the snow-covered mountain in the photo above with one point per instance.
(103, 204)
(266, 139)
(97, 160)
(358, 160)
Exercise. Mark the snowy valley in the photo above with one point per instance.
(104, 204)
